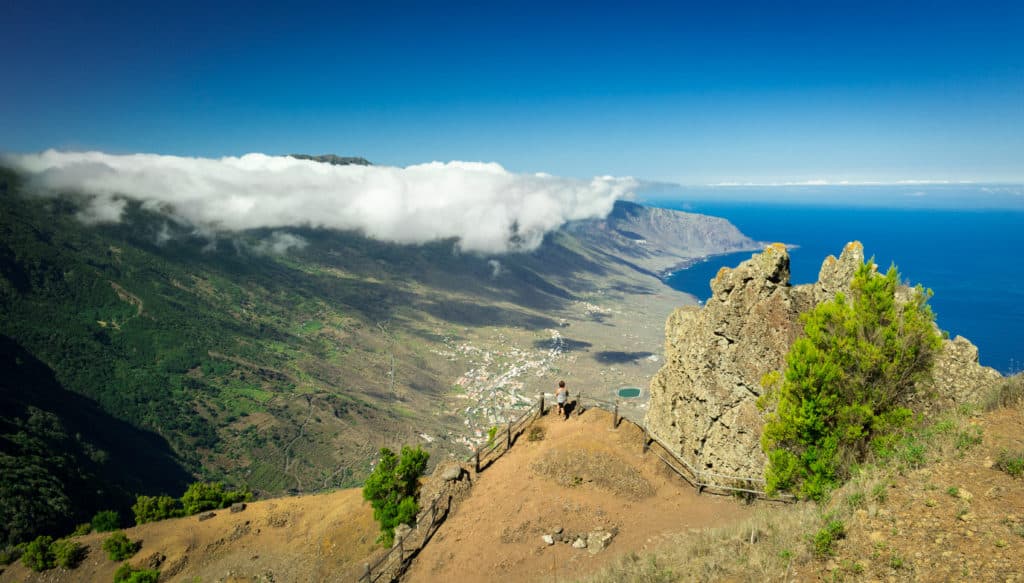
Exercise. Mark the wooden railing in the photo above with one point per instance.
(393, 564)
(702, 480)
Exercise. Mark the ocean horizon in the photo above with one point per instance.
(969, 258)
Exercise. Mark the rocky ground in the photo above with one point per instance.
(957, 520)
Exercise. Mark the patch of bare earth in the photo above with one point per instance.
(961, 519)
(583, 476)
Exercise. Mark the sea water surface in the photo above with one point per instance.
(971, 259)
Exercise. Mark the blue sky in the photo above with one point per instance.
(696, 93)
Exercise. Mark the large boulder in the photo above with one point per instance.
(703, 400)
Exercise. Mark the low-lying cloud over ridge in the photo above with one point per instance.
(487, 208)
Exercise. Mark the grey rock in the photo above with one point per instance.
(401, 531)
(237, 507)
(548, 539)
(703, 400)
(451, 472)
(579, 543)
(598, 540)
(206, 516)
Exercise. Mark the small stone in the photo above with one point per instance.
(579, 543)
(548, 539)
(967, 517)
(206, 516)
(598, 540)
(963, 494)
(237, 507)
(558, 530)
(451, 472)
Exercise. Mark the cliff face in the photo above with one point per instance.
(656, 240)
(703, 398)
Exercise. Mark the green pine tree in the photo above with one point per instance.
(848, 382)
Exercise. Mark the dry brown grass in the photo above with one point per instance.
(598, 468)
(777, 542)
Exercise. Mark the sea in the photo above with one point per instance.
(972, 259)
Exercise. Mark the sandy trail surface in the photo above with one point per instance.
(582, 476)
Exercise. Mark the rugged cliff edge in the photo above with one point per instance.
(703, 398)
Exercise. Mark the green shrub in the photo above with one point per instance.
(126, 574)
(9, 554)
(82, 529)
(203, 496)
(392, 488)
(153, 508)
(827, 537)
(491, 433)
(68, 553)
(846, 382)
(106, 521)
(119, 548)
(1011, 462)
(38, 554)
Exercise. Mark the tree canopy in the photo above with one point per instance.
(392, 489)
(848, 381)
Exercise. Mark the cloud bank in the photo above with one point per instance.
(487, 208)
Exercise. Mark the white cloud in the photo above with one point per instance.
(487, 208)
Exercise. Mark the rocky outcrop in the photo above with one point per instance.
(957, 377)
(703, 400)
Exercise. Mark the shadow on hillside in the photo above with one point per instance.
(94, 459)
(618, 357)
(567, 344)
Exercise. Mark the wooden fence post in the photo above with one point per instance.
(476, 458)
(615, 415)
(508, 438)
(401, 550)
(647, 439)
(540, 400)
(366, 572)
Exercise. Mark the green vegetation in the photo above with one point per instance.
(493, 431)
(126, 574)
(119, 548)
(68, 553)
(38, 554)
(105, 521)
(203, 496)
(153, 508)
(847, 381)
(825, 538)
(1011, 462)
(392, 489)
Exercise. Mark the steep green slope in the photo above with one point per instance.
(62, 458)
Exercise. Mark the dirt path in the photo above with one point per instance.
(582, 476)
